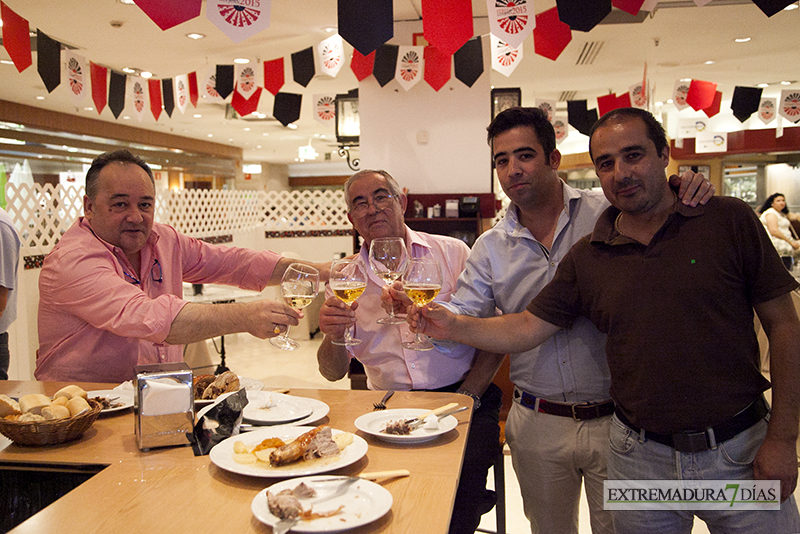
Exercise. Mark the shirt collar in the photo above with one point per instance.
(605, 231)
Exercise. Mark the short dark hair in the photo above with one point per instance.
(655, 132)
(117, 156)
(536, 118)
(768, 203)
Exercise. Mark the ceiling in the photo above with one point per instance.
(675, 41)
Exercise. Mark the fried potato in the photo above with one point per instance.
(342, 440)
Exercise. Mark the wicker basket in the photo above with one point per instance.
(50, 432)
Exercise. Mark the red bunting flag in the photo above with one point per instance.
(701, 94)
(629, 6)
(361, 65)
(245, 106)
(273, 75)
(438, 67)
(193, 90)
(16, 38)
(606, 103)
(154, 89)
(99, 77)
(168, 13)
(713, 109)
(447, 25)
(550, 36)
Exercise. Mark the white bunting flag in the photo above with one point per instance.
(638, 96)
(709, 142)
(766, 109)
(210, 86)
(330, 53)
(139, 96)
(409, 66)
(325, 108)
(77, 73)
(679, 94)
(505, 58)
(549, 107)
(511, 21)
(181, 89)
(239, 19)
(246, 83)
(789, 107)
(561, 126)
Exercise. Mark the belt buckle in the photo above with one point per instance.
(575, 408)
(690, 442)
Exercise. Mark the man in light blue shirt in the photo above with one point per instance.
(9, 258)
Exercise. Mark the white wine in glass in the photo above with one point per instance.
(348, 281)
(299, 287)
(422, 282)
(388, 258)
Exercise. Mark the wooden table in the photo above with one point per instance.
(171, 490)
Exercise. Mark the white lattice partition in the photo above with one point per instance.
(306, 210)
(205, 213)
(42, 214)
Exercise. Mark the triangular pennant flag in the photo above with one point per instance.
(623, 101)
(701, 94)
(745, 102)
(561, 126)
(139, 96)
(789, 107)
(511, 21)
(628, 6)
(468, 62)
(504, 58)
(679, 94)
(766, 109)
(99, 86)
(238, 20)
(48, 60)
(410, 65)
(549, 107)
(287, 107)
(76, 72)
(325, 108)
(182, 92)
(550, 36)
(438, 67)
(168, 95)
(224, 80)
(210, 86)
(193, 90)
(167, 13)
(16, 38)
(366, 24)
(273, 75)
(581, 15)
(331, 55)
(713, 108)
(606, 103)
(303, 66)
(638, 96)
(154, 91)
(579, 117)
(361, 65)
(385, 64)
(246, 106)
(771, 7)
(245, 80)
(116, 93)
(447, 25)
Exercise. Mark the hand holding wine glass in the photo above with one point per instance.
(348, 281)
(388, 258)
(299, 287)
(422, 282)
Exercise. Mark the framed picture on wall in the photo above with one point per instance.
(503, 99)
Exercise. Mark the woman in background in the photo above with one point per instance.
(776, 218)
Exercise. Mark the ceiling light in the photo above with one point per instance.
(146, 74)
(741, 40)
(126, 2)
(6, 61)
(125, 117)
(128, 70)
(659, 103)
(669, 101)
(791, 6)
(88, 109)
(39, 98)
(330, 29)
(265, 134)
(762, 85)
(786, 83)
(258, 146)
(292, 126)
(686, 79)
(241, 61)
(195, 35)
(196, 115)
(709, 62)
(247, 129)
(211, 135)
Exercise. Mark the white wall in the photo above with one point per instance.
(783, 178)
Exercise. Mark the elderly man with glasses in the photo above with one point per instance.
(376, 207)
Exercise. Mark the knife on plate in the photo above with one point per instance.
(437, 411)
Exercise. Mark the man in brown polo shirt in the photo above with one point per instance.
(684, 363)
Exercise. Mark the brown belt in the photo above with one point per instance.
(579, 411)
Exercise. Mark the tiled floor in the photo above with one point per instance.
(254, 358)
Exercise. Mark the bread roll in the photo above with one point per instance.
(70, 392)
(56, 411)
(33, 403)
(61, 401)
(77, 406)
(8, 406)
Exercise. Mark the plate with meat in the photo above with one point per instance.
(390, 425)
(288, 451)
(362, 502)
(271, 408)
(113, 400)
(207, 388)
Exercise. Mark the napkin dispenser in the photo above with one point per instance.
(163, 404)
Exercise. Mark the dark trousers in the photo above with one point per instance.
(5, 357)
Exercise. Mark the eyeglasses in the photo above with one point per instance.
(155, 274)
(381, 202)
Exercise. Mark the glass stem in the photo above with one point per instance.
(286, 334)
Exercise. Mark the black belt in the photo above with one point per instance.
(580, 412)
(703, 440)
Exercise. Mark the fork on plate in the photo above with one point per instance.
(382, 404)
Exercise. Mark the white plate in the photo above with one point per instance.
(373, 423)
(222, 454)
(282, 408)
(250, 384)
(125, 398)
(320, 410)
(363, 503)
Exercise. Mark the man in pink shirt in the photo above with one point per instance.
(110, 291)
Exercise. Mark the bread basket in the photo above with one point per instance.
(50, 432)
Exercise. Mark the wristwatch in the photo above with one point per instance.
(476, 399)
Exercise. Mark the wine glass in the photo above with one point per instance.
(299, 287)
(348, 281)
(388, 258)
(422, 281)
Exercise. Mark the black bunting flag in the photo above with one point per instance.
(385, 65)
(168, 95)
(224, 80)
(303, 66)
(468, 61)
(48, 61)
(287, 107)
(116, 93)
